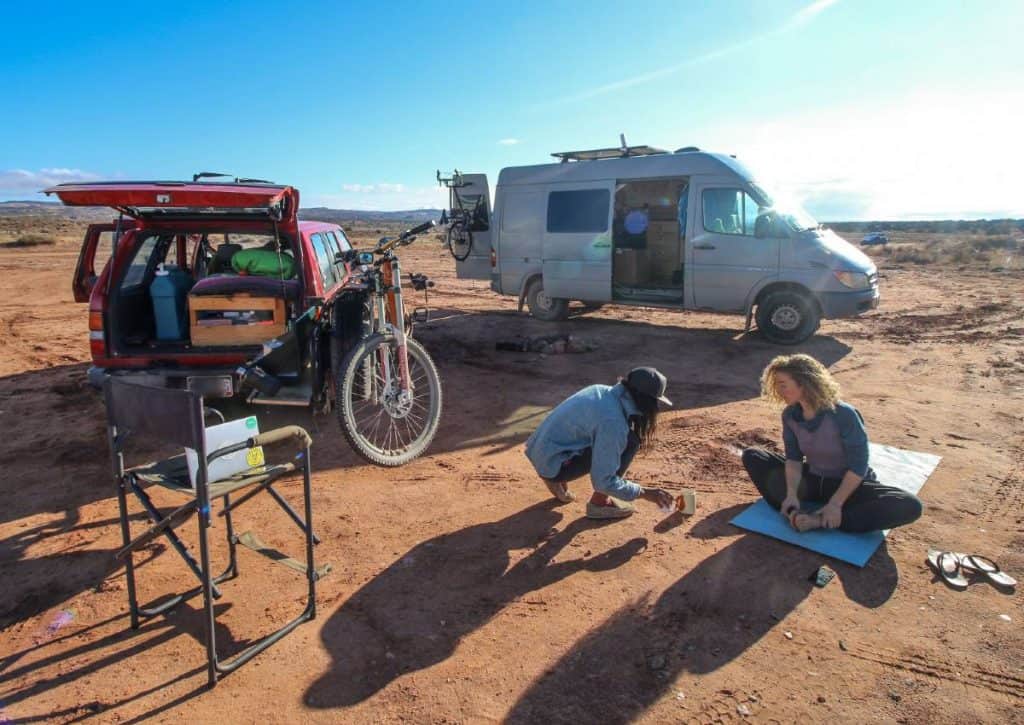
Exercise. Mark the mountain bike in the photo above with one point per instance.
(387, 390)
(459, 239)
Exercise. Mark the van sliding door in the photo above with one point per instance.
(577, 251)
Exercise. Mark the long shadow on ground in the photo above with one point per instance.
(414, 613)
(708, 618)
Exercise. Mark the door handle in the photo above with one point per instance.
(704, 246)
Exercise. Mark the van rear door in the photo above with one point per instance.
(475, 198)
(98, 241)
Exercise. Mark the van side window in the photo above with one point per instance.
(136, 273)
(324, 259)
(730, 211)
(580, 211)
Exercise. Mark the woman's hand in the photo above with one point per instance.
(831, 515)
(790, 507)
(658, 496)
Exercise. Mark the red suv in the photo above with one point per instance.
(193, 232)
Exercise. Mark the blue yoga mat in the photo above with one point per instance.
(895, 467)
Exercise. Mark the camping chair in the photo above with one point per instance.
(175, 417)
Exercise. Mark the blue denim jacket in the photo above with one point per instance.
(596, 417)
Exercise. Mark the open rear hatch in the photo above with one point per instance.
(184, 200)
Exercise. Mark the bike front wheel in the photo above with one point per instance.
(460, 241)
(384, 425)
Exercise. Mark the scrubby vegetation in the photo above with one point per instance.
(30, 240)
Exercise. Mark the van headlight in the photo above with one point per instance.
(853, 280)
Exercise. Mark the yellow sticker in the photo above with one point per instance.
(254, 456)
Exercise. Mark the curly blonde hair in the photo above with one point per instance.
(820, 389)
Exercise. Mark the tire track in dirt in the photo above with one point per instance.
(960, 671)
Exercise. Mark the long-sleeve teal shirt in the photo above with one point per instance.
(596, 417)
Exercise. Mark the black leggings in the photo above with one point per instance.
(579, 465)
(871, 507)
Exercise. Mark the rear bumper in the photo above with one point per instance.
(496, 282)
(848, 304)
(176, 378)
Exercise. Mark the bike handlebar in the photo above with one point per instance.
(405, 237)
(424, 227)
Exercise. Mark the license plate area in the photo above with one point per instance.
(211, 386)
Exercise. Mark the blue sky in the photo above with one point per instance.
(858, 108)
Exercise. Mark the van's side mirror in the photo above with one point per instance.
(763, 226)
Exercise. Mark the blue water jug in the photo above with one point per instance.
(168, 291)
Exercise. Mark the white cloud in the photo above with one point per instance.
(508, 142)
(798, 19)
(934, 154)
(21, 181)
(384, 188)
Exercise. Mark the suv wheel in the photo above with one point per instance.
(787, 317)
(543, 307)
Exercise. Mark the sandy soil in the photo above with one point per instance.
(461, 593)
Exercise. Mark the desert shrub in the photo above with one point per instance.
(914, 255)
(30, 240)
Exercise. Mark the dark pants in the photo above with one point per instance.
(871, 507)
(579, 465)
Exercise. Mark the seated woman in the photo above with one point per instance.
(826, 456)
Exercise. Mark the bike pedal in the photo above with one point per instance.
(421, 314)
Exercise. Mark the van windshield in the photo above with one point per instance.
(786, 209)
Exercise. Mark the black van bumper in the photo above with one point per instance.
(848, 304)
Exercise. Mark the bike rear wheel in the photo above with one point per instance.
(382, 426)
(460, 241)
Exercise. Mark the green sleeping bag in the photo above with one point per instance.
(264, 263)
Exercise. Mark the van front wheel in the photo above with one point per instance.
(543, 307)
(787, 317)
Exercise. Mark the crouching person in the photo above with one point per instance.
(598, 431)
(826, 459)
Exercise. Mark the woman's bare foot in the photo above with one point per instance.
(806, 522)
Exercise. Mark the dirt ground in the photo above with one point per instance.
(461, 593)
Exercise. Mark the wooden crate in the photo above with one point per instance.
(224, 335)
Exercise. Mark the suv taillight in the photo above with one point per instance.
(494, 259)
(96, 344)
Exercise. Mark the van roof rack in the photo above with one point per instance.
(612, 153)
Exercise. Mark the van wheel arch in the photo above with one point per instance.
(524, 289)
(787, 313)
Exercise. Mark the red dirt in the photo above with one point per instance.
(462, 593)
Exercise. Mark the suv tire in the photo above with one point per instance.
(787, 317)
(543, 307)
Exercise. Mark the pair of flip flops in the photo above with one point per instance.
(952, 566)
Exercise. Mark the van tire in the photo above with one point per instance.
(787, 317)
(543, 307)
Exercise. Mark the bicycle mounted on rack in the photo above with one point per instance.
(464, 214)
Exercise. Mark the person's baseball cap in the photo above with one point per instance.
(650, 382)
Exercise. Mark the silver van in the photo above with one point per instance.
(685, 230)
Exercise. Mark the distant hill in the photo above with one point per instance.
(323, 214)
(317, 213)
